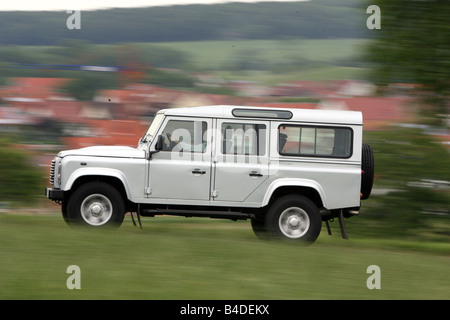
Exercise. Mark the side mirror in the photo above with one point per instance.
(159, 143)
(158, 146)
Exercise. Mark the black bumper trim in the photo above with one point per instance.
(54, 194)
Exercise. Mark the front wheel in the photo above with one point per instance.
(259, 229)
(294, 217)
(96, 204)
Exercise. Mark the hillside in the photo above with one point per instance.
(269, 20)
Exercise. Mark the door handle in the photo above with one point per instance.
(255, 174)
(198, 171)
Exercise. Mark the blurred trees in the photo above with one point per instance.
(310, 19)
(174, 79)
(411, 196)
(85, 85)
(413, 46)
(20, 181)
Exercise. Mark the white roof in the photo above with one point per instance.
(298, 115)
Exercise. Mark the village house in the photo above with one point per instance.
(121, 116)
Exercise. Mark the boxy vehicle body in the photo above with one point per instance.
(285, 169)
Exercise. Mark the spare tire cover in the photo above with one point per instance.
(367, 167)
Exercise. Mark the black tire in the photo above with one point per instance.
(259, 229)
(96, 204)
(295, 218)
(368, 169)
(64, 211)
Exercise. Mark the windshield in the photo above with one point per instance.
(153, 127)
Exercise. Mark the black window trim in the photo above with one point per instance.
(315, 136)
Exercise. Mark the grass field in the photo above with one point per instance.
(195, 258)
(273, 61)
(214, 54)
(266, 61)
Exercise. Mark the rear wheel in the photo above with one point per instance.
(295, 218)
(96, 204)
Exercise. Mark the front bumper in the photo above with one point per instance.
(54, 194)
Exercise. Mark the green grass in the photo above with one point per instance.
(212, 54)
(316, 73)
(195, 258)
(274, 61)
(266, 61)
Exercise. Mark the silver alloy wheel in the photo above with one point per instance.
(96, 209)
(294, 222)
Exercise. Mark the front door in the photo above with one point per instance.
(182, 169)
(241, 158)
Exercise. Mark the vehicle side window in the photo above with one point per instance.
(186, 136)
(310, 141)
(243, 139)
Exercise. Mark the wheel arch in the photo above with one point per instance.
(113, 177)
(308, 188)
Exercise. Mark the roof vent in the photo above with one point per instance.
(260, 113)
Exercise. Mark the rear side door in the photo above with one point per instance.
(240, 161)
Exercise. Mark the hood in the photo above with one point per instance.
(105, 151)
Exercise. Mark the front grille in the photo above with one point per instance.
(52, 172)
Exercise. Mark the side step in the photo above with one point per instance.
(197, 213)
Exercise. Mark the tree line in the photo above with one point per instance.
(311, 19)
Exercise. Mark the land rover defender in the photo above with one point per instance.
(287, 170)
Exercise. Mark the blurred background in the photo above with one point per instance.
(101, 84)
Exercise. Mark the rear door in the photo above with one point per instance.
(240, 161)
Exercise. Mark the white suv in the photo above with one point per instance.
(285, 169)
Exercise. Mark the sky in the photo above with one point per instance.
(61, 5)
